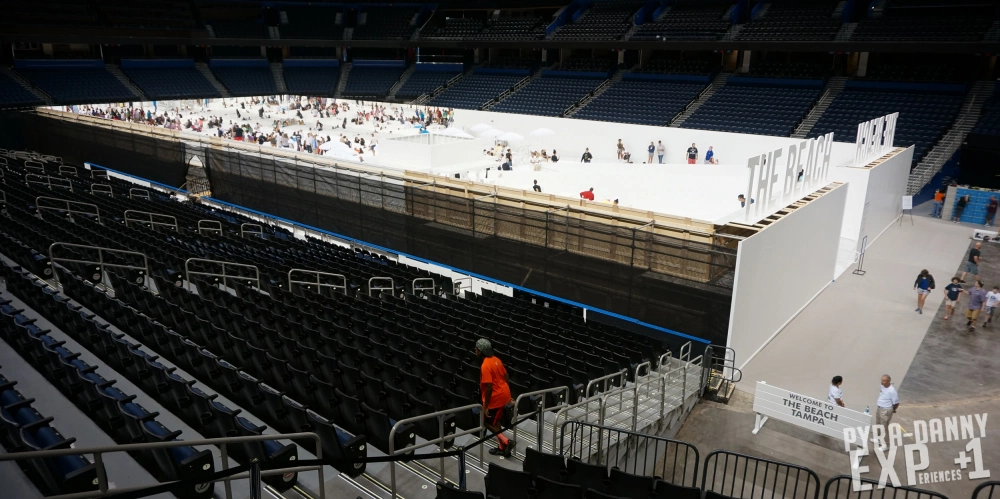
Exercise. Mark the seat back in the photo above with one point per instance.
(540, 464)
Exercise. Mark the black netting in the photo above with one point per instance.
(682, 285)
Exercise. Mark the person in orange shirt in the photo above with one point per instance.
(496, 395)
(938, 203)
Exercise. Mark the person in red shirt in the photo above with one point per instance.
(588, 195)
(496, 395)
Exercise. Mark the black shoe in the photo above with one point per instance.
(969, 323)
(505, 452)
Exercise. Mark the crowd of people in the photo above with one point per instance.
(197, 116)
(659, 151)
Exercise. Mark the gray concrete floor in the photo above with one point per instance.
(861, 327)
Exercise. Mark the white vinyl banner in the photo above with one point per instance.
(874, 139)
(821, 416)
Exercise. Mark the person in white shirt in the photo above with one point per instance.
(992, 300)
(836, 396)
(886, 406)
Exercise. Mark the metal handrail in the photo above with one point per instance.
(685, 352)
(424, 288)
(540, 411)
(206, 225)
(68, 207)
(100, 258)
(188, 273)
(372, 287)
(606, 378)
(102, 480)
(152, 219)
(33, 166)
(248, 228)
(136, 193)
(102, 189)
(665, 357)
(68, 170)
(317, 282)
(94, 174)
(586, 413)
(481, 429)
(48, 181)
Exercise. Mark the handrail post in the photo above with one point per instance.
(255, 492)
(225, 466)
(102, 478)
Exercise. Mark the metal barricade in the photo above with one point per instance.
(104, 189)
(142, 271)
(68, 170)
(138, 194)
(206, 226)
(539, 410)
(985, 491)
(66, 205)
(847, 487)
(381, 287)
(318, 282)
(673, 461)
(224, 275)
(154, 220)
(442, 437)
(585, 405)
(740, 476)
(251, 229)
(35, 167)
(419, 285)
(103, 486)
(48, 181)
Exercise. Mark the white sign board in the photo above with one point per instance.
(806, 412)
(806, 167)
(907, 202)
(875, 138)
(986, 235)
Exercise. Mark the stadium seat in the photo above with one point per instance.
(539, 464)
(629, 485)
(667, 490)
(505, 483)
(587, 476)
(549, 489)
(448, 491)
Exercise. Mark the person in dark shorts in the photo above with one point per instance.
(496, 395)
(972, 265)
(959, 208)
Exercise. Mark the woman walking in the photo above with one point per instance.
(923, 285)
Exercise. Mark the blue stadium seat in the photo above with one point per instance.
(312, 81)
(421, 82)
(256, 80)
(547, 96)
(78, 85)
(642, 102)
(12, 94)
(761, 109)
(171, 83)
(371, 82)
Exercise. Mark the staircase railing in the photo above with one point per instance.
(104, 489)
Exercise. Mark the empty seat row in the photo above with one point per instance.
(547, 96)
(640, 102)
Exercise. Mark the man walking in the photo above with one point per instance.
(992, 300)
(885, 407)
(692, 154)
(496, 395)
(977, 302)
(835, 395)
(660, 150)
(651, 149)
(972, 264)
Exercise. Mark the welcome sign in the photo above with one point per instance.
(804, 411)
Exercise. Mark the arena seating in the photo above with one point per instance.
(12, 94)
(157, 14)
(55, 13)
(314, 21)
(475, 90)
(421, 82)
(607, 20)
(246, 80)
(386, 23)
(756, 108)
(779, 69)
(687, 20)
(343, 356)
(591, 64)
(935, 21)
(794, 20)
(989, 121)
(923, 116)
(514, 62)
(548, 95)
(643, 102)
(454, 28)
(170, 82)
(922, 72)
(311, 80)
(78, 85)
(25, 429)
(514, 28)
(371, 82)
(672, 66)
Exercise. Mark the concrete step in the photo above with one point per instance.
(279, 79)
(717, 83)
(125, 81)
(207, 73)
(345, 71)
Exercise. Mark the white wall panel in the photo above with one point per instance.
(781, 269)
